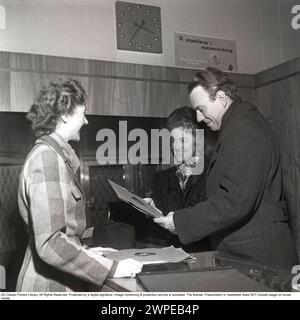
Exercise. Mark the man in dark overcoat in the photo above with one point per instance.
(244, 214)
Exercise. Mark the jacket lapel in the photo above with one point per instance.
(225, 120)
(213, 158)
(54, 144)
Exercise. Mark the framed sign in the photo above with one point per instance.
(198, 52)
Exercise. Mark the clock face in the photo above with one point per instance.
(138, 27)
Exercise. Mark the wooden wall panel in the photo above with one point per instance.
(277, 92)
(50, 64)
(107, 69)
(113, 88)
(264, 100)
(105, 96)
(23, 88)
(282, 71)
(5, 90)
(5, 60)
(131, 97)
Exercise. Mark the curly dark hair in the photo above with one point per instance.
(183, 117)
(53, 101)
(186, 118)
(213, 80)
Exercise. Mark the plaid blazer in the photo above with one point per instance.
(52, 204)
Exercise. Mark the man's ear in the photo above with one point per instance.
(222, 96)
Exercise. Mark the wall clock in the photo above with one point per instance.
(138, 27)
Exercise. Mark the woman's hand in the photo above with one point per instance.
(128, 268)
(167, 222)
(88, 233)
(101, 251)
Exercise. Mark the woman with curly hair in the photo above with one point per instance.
(52, 202)
(183, 184)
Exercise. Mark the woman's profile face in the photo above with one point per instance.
(76, 121)
(182, 143)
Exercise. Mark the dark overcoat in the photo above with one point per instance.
(244, 214)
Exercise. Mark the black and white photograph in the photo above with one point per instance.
(149, 149)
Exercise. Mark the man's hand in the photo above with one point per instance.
(167, 222)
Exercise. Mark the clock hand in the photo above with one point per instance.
(146, 29)
(139, 25)
(135, 33)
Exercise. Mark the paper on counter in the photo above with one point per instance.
(150, 255)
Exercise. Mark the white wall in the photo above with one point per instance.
(86, 29)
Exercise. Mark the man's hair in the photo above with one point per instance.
(213, 80)
(53, 101)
